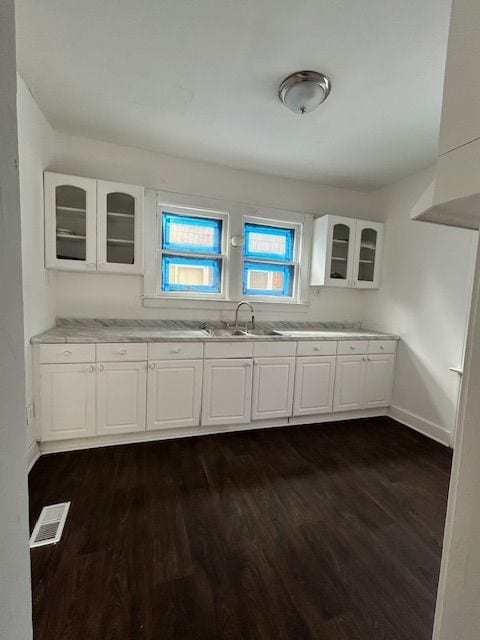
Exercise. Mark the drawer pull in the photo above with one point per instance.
(122, 352)
(352, 347)
(382, 348)
(67, 352)
(176, 350)
(316, 348)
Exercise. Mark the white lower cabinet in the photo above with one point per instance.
(379, 380)
(227, 391)
(67, 401)
(174, 394)
(273, 381)
(363, 382)
(314, 384)
(121, 396)
(349, 383)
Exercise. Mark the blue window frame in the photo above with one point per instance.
(272, 280)
(177, 274)
(268, 267)
(191, 233)
(269, 243)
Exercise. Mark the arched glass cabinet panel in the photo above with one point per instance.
(341, 239)
(71, 222)
(367, 255)
(70, 228)
(120, 228)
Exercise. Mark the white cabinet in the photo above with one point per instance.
(314, 384)
(70, 222)
(67, 401)
(273, 380)
(346, 252)
(119, 227)
(363, 382)
(367, 254)
(227, 391)
(349, 383)
(379, 380)
(121, 397)
(93, 225)
(174, 394)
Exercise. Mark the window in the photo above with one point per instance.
(191, 252)
(195, 257)
(269, 259)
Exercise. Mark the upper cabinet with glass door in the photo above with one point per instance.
(119, 227)
(346, 252)
(93, 225)
(70, 222)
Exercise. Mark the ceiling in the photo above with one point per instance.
(199, 79)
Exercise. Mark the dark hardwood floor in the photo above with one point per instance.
(329, 531)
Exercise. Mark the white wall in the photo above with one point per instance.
(425, 295)
(104, 295)
(35, 147)
(15, 600)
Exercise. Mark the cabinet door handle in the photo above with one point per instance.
(151, 365)
(101, 367)
(91, 368)
(249, 364)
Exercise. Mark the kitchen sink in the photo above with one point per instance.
(225, 332)
(234, 332)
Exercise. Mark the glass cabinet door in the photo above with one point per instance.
(367, 254)
(69, 222)
(339, 257)
(120, 227)
(340, 244)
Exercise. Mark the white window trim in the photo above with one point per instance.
(236, 213)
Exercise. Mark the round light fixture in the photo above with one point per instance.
(304, 91)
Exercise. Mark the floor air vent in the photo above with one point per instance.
(49, 527)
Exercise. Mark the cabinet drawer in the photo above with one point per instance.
(320, 348)
(58, 353)
(267, 349)
(349, 347)
(121, 352)
(382, 346)
(228, 350)
(175, 350)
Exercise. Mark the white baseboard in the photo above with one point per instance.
(187, 432)
(33, 454)
(421, 425)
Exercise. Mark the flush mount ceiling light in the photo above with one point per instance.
(304, 91)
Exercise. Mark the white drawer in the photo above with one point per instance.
(121, 352)
(175, 350)
(382, 346)
(320, 348)
(267, 349)
(349, 347)
(58, 353)
(228, 349)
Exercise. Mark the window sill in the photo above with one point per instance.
(223, 305)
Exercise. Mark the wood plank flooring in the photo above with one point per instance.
(330, 531)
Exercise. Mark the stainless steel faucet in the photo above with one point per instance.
(236, 313)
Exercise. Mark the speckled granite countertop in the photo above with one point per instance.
(96, 330)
